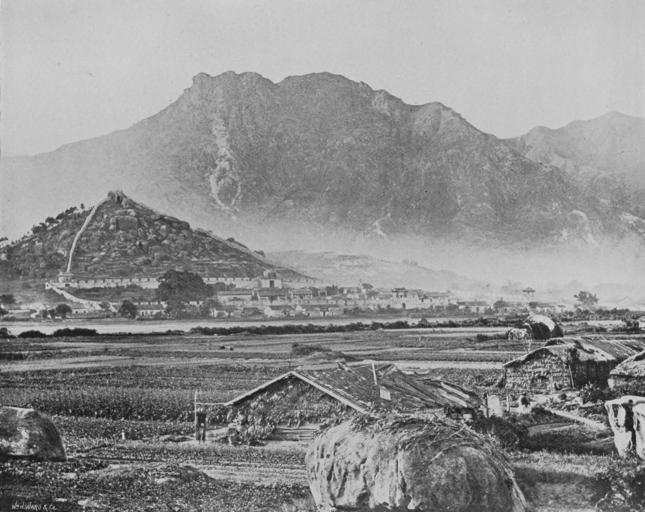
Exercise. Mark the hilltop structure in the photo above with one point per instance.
(120, 242)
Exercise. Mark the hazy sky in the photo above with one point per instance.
(74, 69)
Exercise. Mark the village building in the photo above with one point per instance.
(269, 296)
(151, 310)
(280, 311)
(438, 299)
(473, 306)
(298, 402)
(270, 280)
(565, 363)
(236, 296)
(629, 375)
(302, 295)
(546, 308)
(322, 310)
(641, 323)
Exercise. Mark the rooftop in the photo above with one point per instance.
(359, 387)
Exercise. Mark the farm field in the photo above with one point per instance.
(124, 407)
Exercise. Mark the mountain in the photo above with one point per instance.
(613, 144)
(240, 152)
(120, 237)
(350, 270)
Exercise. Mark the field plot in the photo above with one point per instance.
(124, 405)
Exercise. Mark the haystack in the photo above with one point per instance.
(27, 433)
(542, 327)
(409, 463)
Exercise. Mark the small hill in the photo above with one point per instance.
(350, 269)
(122, 238)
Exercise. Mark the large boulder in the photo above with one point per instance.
(409, 464)
(27, 433)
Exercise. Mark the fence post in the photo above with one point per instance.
(195, 409)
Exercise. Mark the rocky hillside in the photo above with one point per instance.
(613, 144)
(121, 237)
(238, 150)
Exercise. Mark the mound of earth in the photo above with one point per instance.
(409, 463)
(27, 433)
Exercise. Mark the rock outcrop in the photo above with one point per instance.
(27, 433)
(409, 464)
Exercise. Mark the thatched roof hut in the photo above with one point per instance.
(313, 394)
(569, 362)
(630, 374)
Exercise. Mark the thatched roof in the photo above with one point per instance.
(364, 387)
(586, 348)
(631, 367)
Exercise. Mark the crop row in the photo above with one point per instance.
(108, 402)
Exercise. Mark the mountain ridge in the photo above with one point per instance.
(239, 150)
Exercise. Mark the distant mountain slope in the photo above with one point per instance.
(239, 150)
(613, 144)
(350, 270)
(123, 238)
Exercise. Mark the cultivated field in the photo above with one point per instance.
(124, 406)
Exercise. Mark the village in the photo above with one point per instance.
(269, 296)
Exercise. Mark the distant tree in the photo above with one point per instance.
(586, 299)
(175, 308)
(7, 299)
(62, 310)
(367, 286)
(3, 239)
(208, 305)
(182, 285)
(219, 286)
(50, 220)
(3, 311)
(82, 206)
(128, 309)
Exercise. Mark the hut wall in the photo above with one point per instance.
(594, 372)
(290, 403)
(543, 373)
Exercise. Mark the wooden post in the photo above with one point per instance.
(195, 408)
(374, 373)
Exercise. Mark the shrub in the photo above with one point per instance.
(32, 334)
(305, 350)
(593, 393)
(622, 486)
(78, 331)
